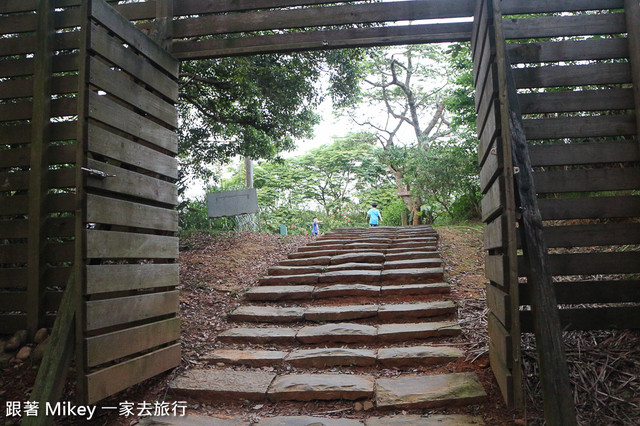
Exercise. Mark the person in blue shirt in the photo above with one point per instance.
(374, 215)
(314, 227)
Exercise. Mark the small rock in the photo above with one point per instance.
(358, 406)
(368, 405)
(220, 364)
(40, 336)
(24, 353)
(16, 341)
(257, 407)
(38, 353)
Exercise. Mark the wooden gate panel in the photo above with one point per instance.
(129, 329)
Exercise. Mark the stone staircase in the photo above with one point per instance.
(353, 316)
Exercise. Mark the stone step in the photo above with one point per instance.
(306, 261)
(401, 392)
(390, 357)
(411, 392)
(304, 292)
(295, 270)
(411, 275)
(358, 257)
(350, 276)
(335, 333)
(406, 255)
(413, 263)
(390, 312)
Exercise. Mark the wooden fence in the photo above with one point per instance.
(574, 72)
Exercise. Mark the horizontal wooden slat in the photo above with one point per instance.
(492, 203)
(584, 153)
(490, 133)
(10, 323)
(585, 180)
(500, 340)
(570, 101)
(111, 145)
(556, 51)
(572, 75)
(587, 292)
(120, 85)
(592, 235)
(106, 382)
(324, 16)
(580, 127)
(16, 278)
(22, 110)
(19, 181)
(53, 252)
(590, 263)
(195, 7)
(112, 245)
(499, 304)
(606, 318)
(26, 44)
(113, 278)
(122, 310)
(119, 344)
(314, 40)
(496, 269)
(492, 166)
(13, 300)
(494, 233)
(559, 26)
(589, 208)
(21, 134)
(53, 227)
(24, 66)
(503, 375)
(133, 184)
(126, 59)
(118, 212)
(22, 88)
(109, 112)
(20, 157)
(517, 7)
(117, 24)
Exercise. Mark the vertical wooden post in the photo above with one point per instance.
(162, 31)
(39, 162)
(632, 12)
(510, 204)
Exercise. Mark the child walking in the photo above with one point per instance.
(374, 215)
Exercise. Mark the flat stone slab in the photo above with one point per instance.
(327, 357)
(280, 292)
(308, 254)
(258, 335)
(306, 421)
(355, 266)
(413, 275)
(361, 257)
(308, 261)
(338, 333)
(404, 255)
(415, 310)
(396, 250)
(440, 390)
(223, 384)
(432, 420)
(191, 421)
(339, 246)
(366, 245)
(413, 263)
(340, 313)
(412, 331)
(289, 279)
(352, 276)
(253, 358)
(295, 270)
(267, 314)
(341, 290)
(417, 355)
(307, 387)
(431, 288)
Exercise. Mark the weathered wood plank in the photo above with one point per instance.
(53, 227)
(632, 13)
(10, 323)
(26, 44)
(24, 66)
(513, 7)
(133, 184)
(107, 16)
(588, 208)
(499, 304)
(196, 7)
(588, 292)
(561, 26)
(580, 127)
(13, 301)
(112, 211)
(572, 75)
(500, 339)
(556, 51)
(114, 278)
(496, 269)
(327, 39)
(493, 201)
(492, 166)
(22, 88)
(570, 101)
(584, 180)
(123, 343)
(21, 134)
(494, 235)
(490, 136)
(63, 107)
(104, 383)
(126, 59)
(122, 310)
(601, 318)
(118, 84)
(324, 16)
(584, 153)
(590, 263)
(592, 235)
(19, 181)
(110, 245)
(109, 112)
(503, 375)
(17, 204)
